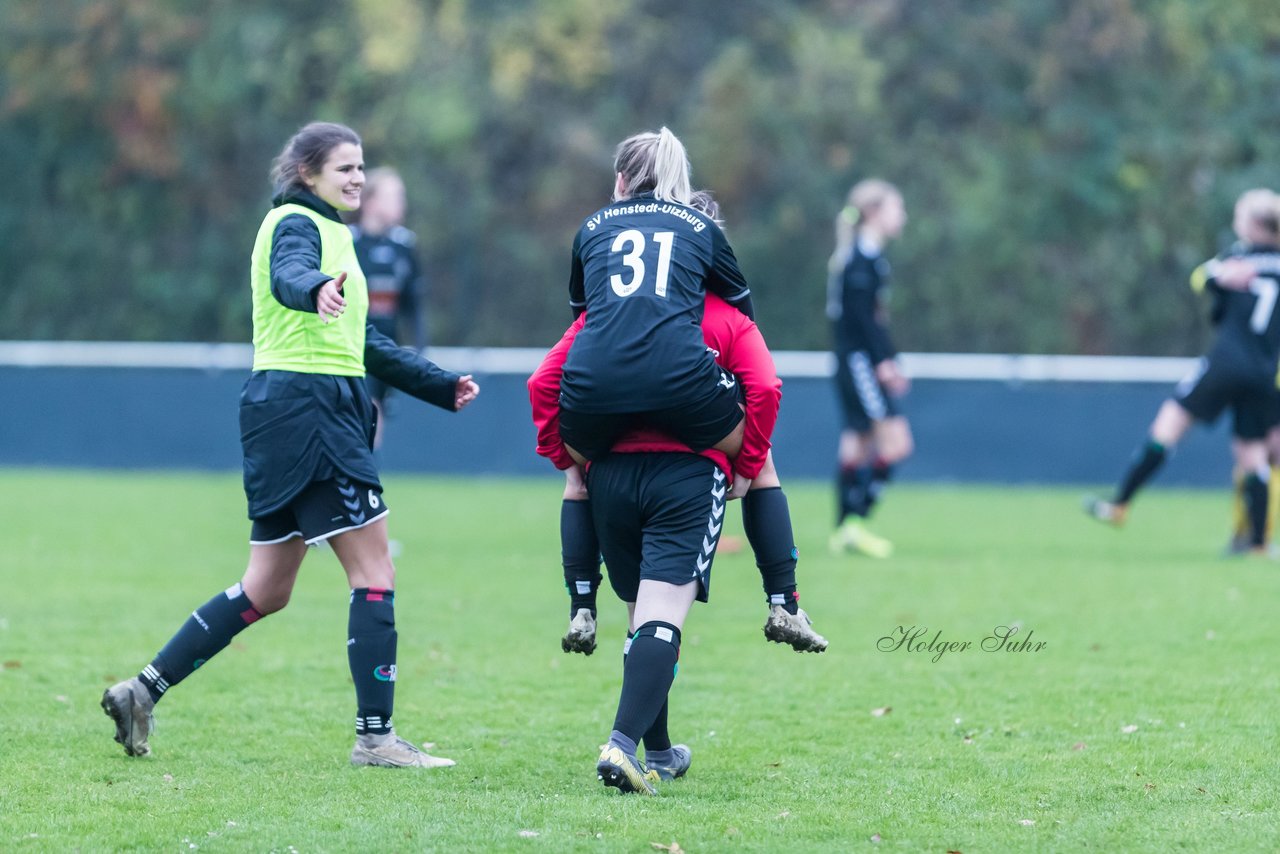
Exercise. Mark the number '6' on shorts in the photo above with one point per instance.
(325, 508)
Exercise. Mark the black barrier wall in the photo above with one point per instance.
(965, 430)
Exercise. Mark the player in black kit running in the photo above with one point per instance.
(1238, 372)
(641, 270)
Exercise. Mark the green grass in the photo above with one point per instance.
(1144, 628)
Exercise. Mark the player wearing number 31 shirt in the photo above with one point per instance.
(1238, 372)
(641, 269)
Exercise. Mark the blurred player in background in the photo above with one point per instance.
(306, 426)
(1241, 540)
(387, 254)
(869, 379)
(1238, 372)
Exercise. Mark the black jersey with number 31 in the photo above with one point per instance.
(641, 269)
(1248, 320)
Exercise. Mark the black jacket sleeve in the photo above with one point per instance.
(295, 263)
(725, 279)
(577, 283)
(405, 370)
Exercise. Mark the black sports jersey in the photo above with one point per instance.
(391, 268)
(641, 269)
(1247, 320)
(854, 305)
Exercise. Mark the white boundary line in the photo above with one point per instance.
(522, 360)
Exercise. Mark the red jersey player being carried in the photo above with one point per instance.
(740, 349)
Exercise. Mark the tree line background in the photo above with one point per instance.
(1065, 164)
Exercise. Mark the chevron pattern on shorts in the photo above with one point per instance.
(714, 523)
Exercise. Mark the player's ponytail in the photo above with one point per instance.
(865, 199)
(846, 233)
(305, 153)
(654, 163)
(671, 169)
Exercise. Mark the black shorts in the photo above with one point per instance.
(658, 516)
(863, 400)
(323, 509)
(1216, 384)
(700, 425)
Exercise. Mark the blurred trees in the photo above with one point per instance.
(1064, 164)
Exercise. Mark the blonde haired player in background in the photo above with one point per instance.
(1239, 371)
(869, 380)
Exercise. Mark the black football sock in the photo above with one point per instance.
(1256, 492)
(657, 741)
(766, 518)
(647, 675)
(580, 555)
(851, 491)
(371, 653)
(1146, 462)
(881, 473)
(205, 633)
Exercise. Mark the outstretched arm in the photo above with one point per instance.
(295, 263)
(409, 372)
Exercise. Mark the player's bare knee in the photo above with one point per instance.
(854, 449)
(1251, 456)
(378, 573)
(270, 604)
(1170, 424)
(266, 598)
(902, 447)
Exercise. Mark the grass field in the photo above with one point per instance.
(1147, 722)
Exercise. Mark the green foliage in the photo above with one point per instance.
(1146, 629)
(1064, 166)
